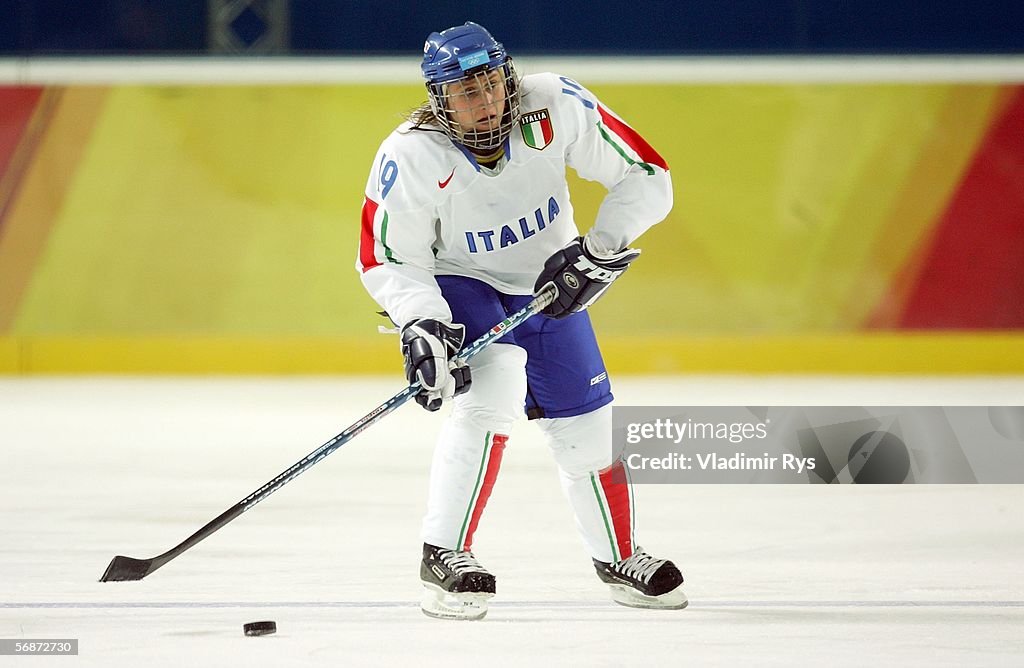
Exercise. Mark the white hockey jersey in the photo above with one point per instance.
(431, 209)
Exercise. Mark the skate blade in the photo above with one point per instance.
(673, 600)
(440, 604)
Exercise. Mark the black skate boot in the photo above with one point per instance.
(456, 585)
(641, 581)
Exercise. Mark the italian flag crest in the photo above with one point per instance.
(537, 130)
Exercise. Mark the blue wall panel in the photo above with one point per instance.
(331, 27)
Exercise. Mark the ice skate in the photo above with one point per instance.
(455, 585)
(641, 581)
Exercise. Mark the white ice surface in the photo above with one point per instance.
(777, 575)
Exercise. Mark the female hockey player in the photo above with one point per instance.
(467, 215)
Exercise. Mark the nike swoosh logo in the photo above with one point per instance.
(442, 184)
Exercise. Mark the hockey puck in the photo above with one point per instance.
(259, 628)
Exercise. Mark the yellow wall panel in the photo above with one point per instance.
(234, 209)
(781, 193)
(229, 210)
(225, 214)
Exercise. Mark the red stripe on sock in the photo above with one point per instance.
(367, 258)
(632, 139)
(493, 464)
(616, 491)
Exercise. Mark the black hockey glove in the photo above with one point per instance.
(580, 276)
(428, 347)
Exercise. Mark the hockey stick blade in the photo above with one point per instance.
(123, 568)
(126, 568)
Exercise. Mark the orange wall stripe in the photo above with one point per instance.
(17, 106)
(959, 130)
(888, 312)
(61, 131)
(973, 276)
(22, 120)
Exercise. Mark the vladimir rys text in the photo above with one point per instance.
(712, 461)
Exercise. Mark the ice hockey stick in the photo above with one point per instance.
(127, 568)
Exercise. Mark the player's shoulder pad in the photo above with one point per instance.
(420, 144)
(567, 100)
(555, 86)
(405, 165)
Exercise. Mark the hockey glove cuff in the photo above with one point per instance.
(428, 348)
(580, 276)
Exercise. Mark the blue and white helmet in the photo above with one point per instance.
(459, 66)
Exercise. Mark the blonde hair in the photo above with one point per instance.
(422, 115)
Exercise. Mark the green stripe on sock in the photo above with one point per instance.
(476, 490)
(604, 516)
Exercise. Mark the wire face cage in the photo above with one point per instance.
(480, 109)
